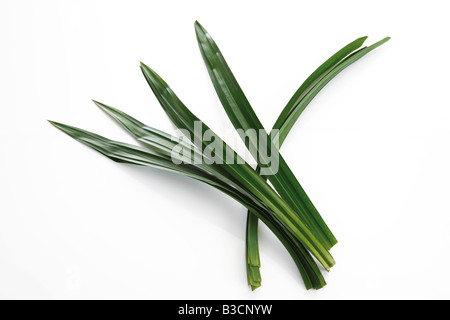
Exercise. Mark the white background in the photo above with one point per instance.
(372, 150)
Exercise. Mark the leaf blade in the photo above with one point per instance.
(243, 117)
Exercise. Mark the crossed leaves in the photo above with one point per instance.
(283, 206)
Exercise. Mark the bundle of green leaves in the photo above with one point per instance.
(283, 205)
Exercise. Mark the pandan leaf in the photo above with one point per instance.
(336, 63)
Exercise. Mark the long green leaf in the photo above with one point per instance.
(296, 105)
(125, 153)
(243, 117)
